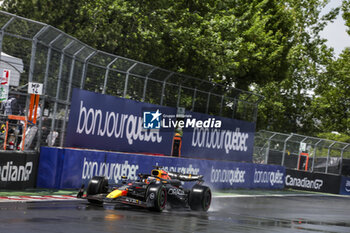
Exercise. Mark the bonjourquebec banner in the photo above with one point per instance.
(70, 168)
(105, 122)
(233, 140)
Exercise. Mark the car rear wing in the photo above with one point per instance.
(185, 177)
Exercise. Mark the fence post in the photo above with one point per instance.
(255, 113)
(208, 101)
(58, 86)
(83, 75)
(234, 107)
(63, 130)
(221, 104)
(32, 60)
(127, 79)
(2, 32)
(314, 155)
(163, 88)
(145, 84)
(284, 149)
(33, 53)
(194, 99)
(106, 75)
(178, 97)
(328, 155)
(268, 148)
(341, 158)
(31, 69)
(256, 106)
(48, 59)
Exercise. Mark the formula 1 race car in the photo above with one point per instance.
(152, 191)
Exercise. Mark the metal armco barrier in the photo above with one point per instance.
(317, 182)
(69, 168)
(18, 170)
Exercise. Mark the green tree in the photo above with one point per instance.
(330, 109)
(346, 14)
(287, 107)
(231, 42)
(335, 136)
(273, 46)
(331, 106)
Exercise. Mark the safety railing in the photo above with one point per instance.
(301, 152)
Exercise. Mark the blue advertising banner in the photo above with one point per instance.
(98, 121)
(69, 168)
(233, 140)
(345, 185)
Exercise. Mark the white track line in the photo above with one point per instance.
(266, 195)
(25, 198)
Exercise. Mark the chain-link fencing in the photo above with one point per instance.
(36, 52)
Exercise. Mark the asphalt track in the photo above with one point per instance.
(274, 213)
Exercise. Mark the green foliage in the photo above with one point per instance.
(331, 106)
(287, 107)
(273, 46)
(335, 136)
(225, 41)
(346, 14)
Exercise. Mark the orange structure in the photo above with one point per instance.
(33, 106)
(306, 160)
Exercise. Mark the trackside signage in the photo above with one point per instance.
(234, 140)
(106, 122)
(18, 171)
(317, 182)
(345, 185)
(69, 168)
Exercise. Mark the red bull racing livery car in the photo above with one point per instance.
(153, 191)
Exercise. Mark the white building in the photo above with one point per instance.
(14, 64)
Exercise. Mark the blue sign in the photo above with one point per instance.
(69, 168)
(98, 121)
(345, 185)
(233, 140)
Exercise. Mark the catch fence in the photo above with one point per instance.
(37, 52)
(301, 152)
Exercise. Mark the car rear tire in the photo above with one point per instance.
(156, 195)
(97, 185)
(200, 198)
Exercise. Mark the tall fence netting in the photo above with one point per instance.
(36, 52)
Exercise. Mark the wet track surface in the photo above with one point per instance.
(313, 213)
